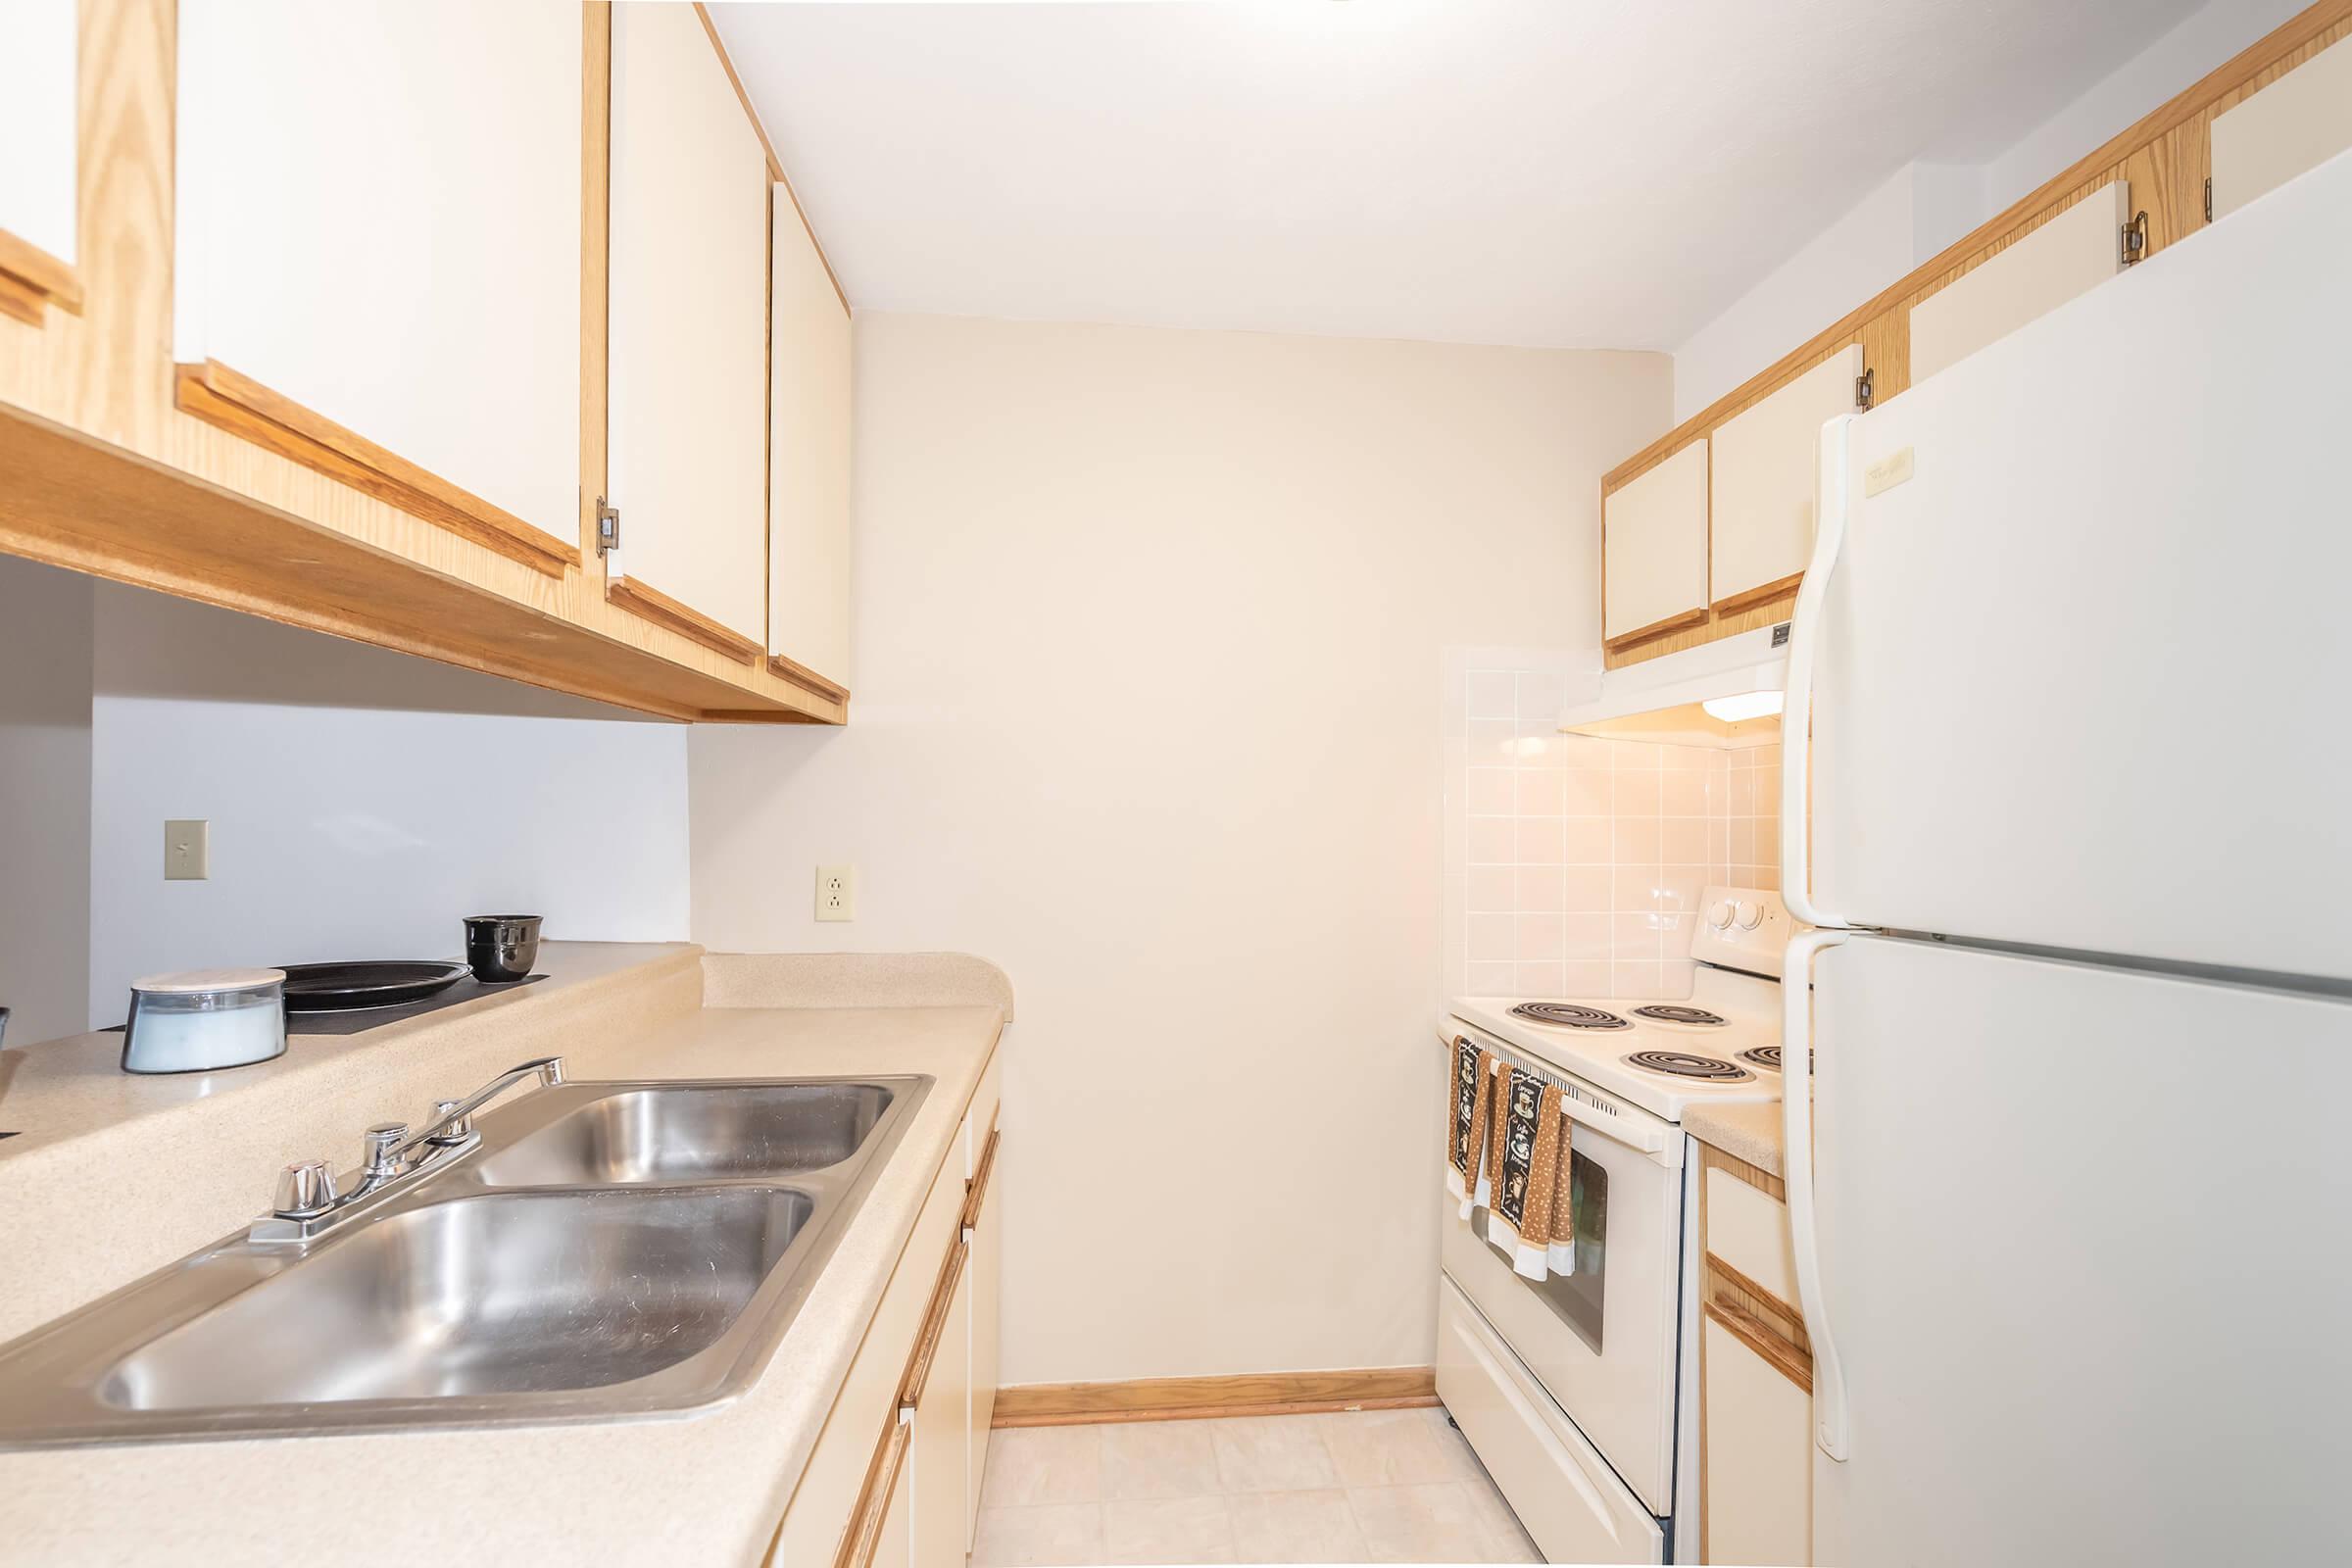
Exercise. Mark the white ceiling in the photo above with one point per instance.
(1560, 173)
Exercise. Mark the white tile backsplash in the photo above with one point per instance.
(1583, 859)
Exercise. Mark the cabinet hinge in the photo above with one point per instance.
(2209, 197)
(1866, 389)
(2134, 241)
(607, 527)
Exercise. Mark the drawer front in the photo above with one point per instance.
(1748, 1230)
(1562, 1489)
(981, 1119)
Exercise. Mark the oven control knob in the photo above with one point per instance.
(1749, 915)
(1720, 916)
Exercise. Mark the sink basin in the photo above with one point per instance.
(694, 1133)
(606, 1250)
(508, 1293)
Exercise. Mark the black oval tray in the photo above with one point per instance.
(348, 987)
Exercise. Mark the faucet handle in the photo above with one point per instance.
(306, 1189)
(383, 1141)
(457, 1129)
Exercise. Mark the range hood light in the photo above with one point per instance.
(1747, 705)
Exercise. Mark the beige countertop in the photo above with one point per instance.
(1744, 1132)
(700, 1487)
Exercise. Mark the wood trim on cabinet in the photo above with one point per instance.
(1762, 593)
(654, 606)
(596, 282)
(1656, 628)
(975, 1191)
(26, 268)
(864, 1538)
(935, 1323)
(1784, 1358)
(775, 164)
(1748, 1296)
(802, 675)
(219, 396)
(19, 300)
(1050, 1404)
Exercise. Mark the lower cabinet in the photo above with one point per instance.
(894, 1480)
(1755, 1375)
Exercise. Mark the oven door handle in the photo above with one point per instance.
(1661, 1141)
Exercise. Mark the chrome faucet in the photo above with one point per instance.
(307, 1198)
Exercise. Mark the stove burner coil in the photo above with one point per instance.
(1763, 1056)
(1669, 1013)
(1682, 1064)
(1568, 1015)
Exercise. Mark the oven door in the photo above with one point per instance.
(1601, 1341)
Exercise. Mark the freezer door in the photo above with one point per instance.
(2082, 1264)
(2083, 659)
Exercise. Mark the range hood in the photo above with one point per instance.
(1665, 699)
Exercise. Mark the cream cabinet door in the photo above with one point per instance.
(808, 446)
(379, 222)
(37, 169)
(1653, 547)
(2072, 252)
(1761, 511)
(942, 1527)
(1758, 1484)
(2269, 137)
(687, 403)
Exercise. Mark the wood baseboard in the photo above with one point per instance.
(1052, 1405)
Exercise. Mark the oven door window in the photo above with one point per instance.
(1576, 1299)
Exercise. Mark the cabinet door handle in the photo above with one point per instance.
(864, 1537)
(935, 1324)
(976, 1190)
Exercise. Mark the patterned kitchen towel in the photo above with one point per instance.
(1469, 1098)
(1520, 1225)
(1560, 1256)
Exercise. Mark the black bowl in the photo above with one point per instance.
(502, 948)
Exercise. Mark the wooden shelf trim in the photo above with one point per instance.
(1762, 593)
(935, 1323)
(1382, 1388)
(29, 272)
(219, 396)
(652, 604)
(1753, 1332)
(864, 1538)
(975, 1191)
(1656, 628)
(802, 675)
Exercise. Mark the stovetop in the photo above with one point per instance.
(1718, 1045)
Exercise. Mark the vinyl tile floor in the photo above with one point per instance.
(1352, 1486)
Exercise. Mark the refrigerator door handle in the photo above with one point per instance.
(1796, 714)
(1797, 1127)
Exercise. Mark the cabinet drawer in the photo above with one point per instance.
(981, 1121)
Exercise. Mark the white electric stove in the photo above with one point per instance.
(1579, 1390)
(1721, 1042)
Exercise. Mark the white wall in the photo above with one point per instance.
(1149, 630)
(361, 802)
(1924, 207)
(44, 798)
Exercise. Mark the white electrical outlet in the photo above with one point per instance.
(837, 893)
(187, 851)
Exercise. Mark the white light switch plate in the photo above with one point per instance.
(188, 850)
(837, 893)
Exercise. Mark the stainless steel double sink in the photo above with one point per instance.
(606, 1250)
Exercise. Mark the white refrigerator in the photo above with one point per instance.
(2073, 1191)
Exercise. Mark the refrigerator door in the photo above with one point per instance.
(2083, 1267)
(2081, 664)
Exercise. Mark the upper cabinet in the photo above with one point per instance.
(37, 168)
(2270, 136)
(377, 253)
(1653, 547)
(1764, 482)
(687, 399)
(808, 455)
(2072, 252)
